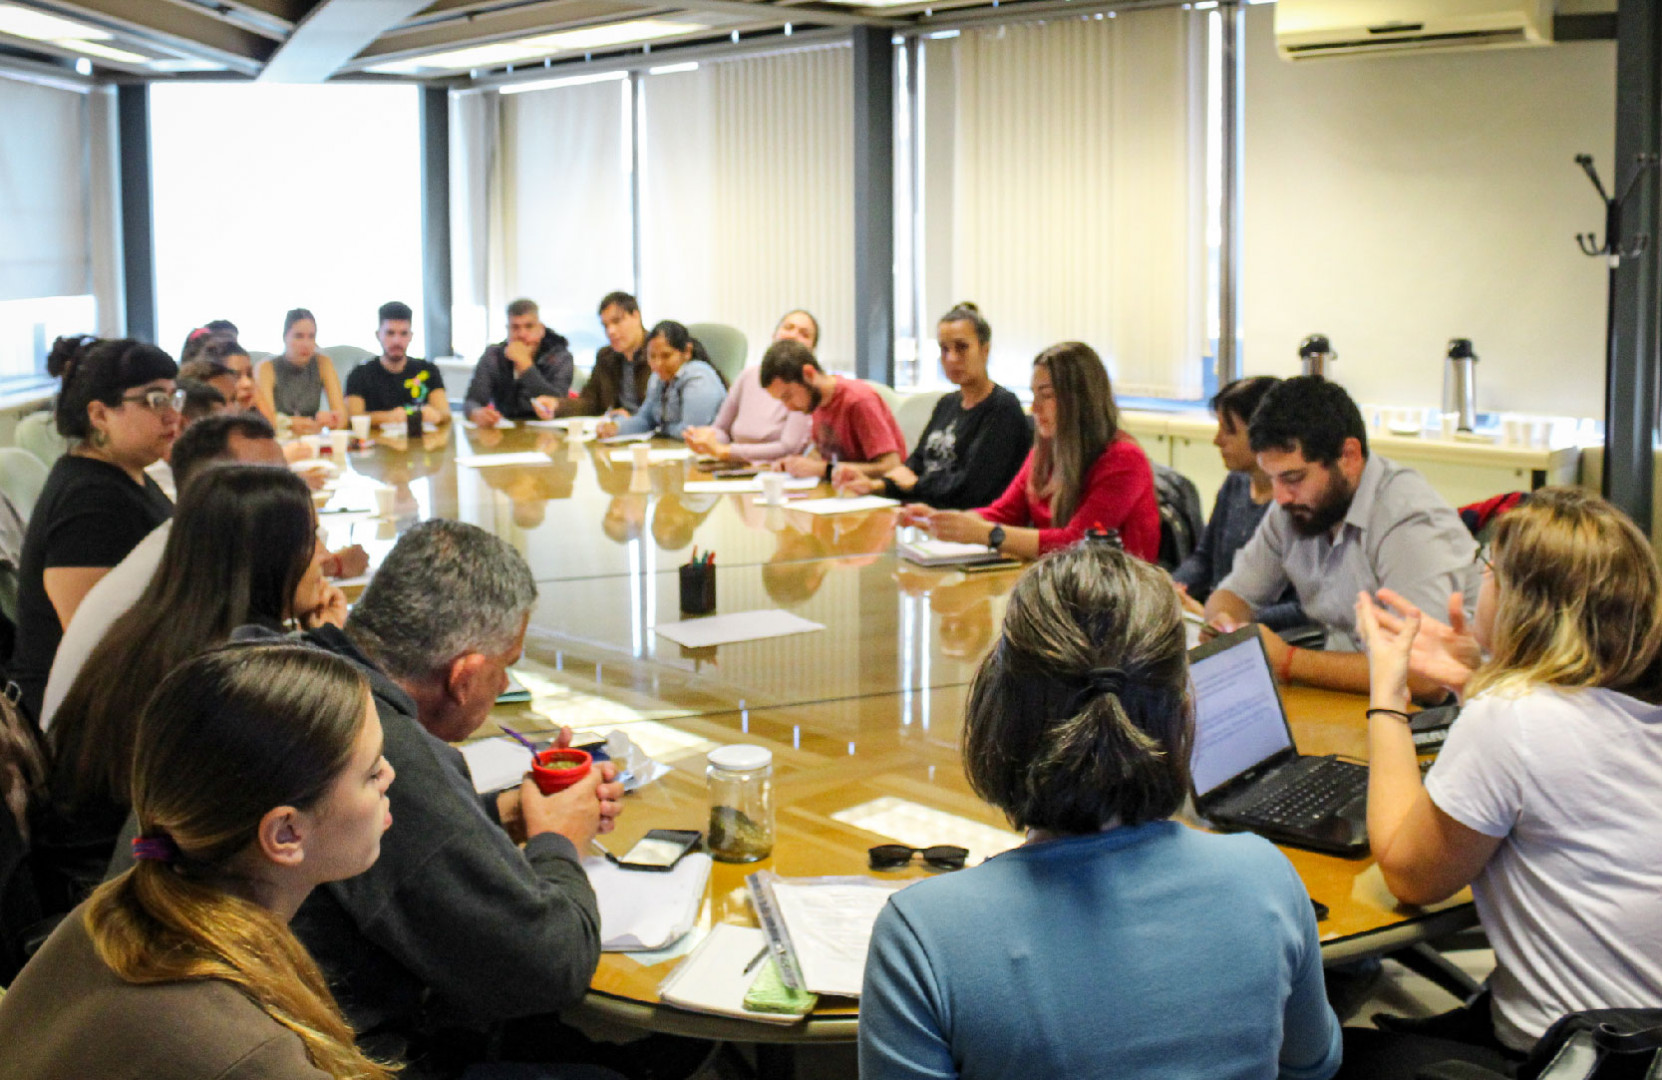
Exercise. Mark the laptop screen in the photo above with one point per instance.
(1238, 717)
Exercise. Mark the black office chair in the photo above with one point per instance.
(1599, 1044)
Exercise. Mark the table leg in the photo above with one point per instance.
(775, 1061)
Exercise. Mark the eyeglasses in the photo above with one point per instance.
(941, 856)
(158, 399)
(1482, 558)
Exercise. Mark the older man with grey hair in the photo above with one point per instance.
(455, 927)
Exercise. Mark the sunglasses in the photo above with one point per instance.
(941, 856)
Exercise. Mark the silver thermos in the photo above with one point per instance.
(1460, 383)
(1317, 355)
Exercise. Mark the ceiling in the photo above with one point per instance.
(316, 40)
(459, 41)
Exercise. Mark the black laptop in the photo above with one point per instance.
(1247, 773)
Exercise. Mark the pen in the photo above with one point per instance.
(757, 959)
(598, 846)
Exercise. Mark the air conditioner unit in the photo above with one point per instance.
(1311, 29)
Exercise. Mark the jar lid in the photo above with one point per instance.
(741, 758)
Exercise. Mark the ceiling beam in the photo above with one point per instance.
(331, 34)
(794, 13)
(186, 31)
(275, 23)
(484, 29)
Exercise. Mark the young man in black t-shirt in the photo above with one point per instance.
(382, 387)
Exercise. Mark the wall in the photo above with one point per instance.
(1396, 202)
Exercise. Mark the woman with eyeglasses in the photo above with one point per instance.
(243, 550)
(258, 776)
(1544, 797)
(119, 409)
(1115, 941)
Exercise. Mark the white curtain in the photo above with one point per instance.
(45, 195)
(747, 196)
(1075, 203)
(568, 239)
(477, 273)
(1396, 202)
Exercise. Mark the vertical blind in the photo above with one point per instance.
(1074, 204)
(747, 195)
(45, 195)
(565, 198)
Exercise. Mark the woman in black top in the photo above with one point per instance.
(119, 410)
(976, 439)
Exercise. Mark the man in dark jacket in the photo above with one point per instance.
(618, 382)
(524, 377)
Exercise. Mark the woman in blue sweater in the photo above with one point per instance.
(1115, 941)
(685, 389)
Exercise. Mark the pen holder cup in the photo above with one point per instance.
(698, 589)
(558, 768)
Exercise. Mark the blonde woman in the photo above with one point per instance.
(258, 776)
(1544, 798)
(1083, 472)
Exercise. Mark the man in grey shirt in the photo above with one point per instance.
(1344, 522)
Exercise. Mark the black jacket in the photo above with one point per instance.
(495, 382)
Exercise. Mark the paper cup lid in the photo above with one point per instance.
(741, 758)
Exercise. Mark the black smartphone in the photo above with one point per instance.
(660, 849)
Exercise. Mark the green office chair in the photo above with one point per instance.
(914, 412)
(38, 434)
(726, 345)
(346, 357)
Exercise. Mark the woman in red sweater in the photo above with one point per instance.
(1082, 473)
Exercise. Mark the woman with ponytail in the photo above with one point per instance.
(1115, 941)
(258, 776)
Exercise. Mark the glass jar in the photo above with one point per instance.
(741, 803)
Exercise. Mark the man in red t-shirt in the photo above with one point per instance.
(852, 425)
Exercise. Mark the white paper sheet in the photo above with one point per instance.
(639, 436)
(744, 484)
(657, 456)
(739, 626)
(485, 461)
(840, 505)
(830, 926)
(647, 909)
(496, 763)
(501, 425)
(548, 423)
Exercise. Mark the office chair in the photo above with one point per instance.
(38, 434)
(913, 414)
(22, 476)
(726, 345)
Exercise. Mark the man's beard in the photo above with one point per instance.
(814, 396)
(1326, 513)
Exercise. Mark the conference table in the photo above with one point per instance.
(863, 716)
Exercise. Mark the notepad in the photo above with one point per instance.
(656, 456)
(744, 484)
(500, 425)
(647, 909)
(639, 436)
(713, 979)
(947, 553)
(740, 626)
(840, 505)
(486, 461)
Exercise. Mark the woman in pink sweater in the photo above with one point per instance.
(1083, 473)
(752, 425)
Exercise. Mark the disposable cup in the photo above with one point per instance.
(643, 455)
(773, 488)
(385, 499)
(360, 427)
(339, 443)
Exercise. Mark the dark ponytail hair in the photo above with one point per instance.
(1080, 716)
(295, 315)
(95, 369)
(680, 339)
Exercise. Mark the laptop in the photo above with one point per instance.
(1247, 774)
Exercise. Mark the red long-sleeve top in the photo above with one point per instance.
(1119, 494)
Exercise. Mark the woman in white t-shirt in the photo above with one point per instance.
(1544, 798)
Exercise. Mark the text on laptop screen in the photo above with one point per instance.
(1238, 720)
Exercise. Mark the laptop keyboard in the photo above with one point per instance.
(1308, 797)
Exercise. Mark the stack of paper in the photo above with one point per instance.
(740, 626)
(716, 977)
(647, 909)
(840, 504)
(947, 553)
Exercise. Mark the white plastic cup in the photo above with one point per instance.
(339, 443)
(643, 455)
(773, 488)
(360, 427)
(1513, 429)
(385, 501)
(313, 445)
(1448, 421)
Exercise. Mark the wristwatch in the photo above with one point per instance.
(995, 539)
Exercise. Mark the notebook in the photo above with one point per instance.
(947, 553)
(1247, 774)
(720, 972)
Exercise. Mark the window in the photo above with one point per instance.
(273, 197)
